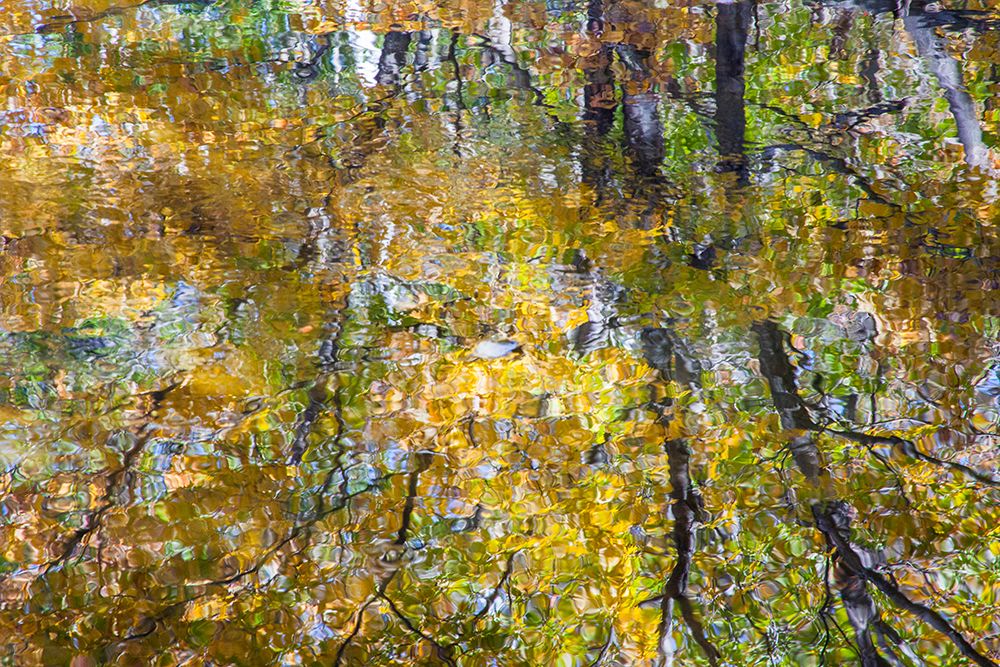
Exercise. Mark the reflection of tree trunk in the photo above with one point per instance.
(599, 104)
(669, 355)
(853, 565)
(599, 94)
(422, 57)
(643, 131)
(841, 30)
(423, 462)
(644, 140)
(732, 21)
(946, 70)
(685, 508)
(833, 520)
(368, 124)
(309, 69)
(780, 375)
(776, 367)
(794, 415)
(320, 397)
(500, 46)
(993, 101)
(641, 110)
(393, 57)
(69, 18)
(598, 116)
(861, 610)
(459, 104)
(869, 72)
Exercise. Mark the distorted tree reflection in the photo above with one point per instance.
(607, 333)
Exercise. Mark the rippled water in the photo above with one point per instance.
(510, 333)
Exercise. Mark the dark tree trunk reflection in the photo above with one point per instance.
(599, 106)
(393, 58)
(641, 110)
(669, 355)
(642, 183)
(854, 567)
(732, 21)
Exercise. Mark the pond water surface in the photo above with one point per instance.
(499, 333)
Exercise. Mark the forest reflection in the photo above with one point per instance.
(499, 333)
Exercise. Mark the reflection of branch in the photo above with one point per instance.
(604, 648)
(841, 166)
(358, 618)
(93, 519)
(794, 414)
(909, 448)
(508, 570)
(444, 652)
(149, 624)
(826, 521)
(833, 521)
(824, 612)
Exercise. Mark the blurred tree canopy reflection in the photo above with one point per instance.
(499, 333)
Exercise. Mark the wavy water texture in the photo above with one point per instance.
(498, 333)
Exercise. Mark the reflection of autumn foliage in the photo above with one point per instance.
(504, 340)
